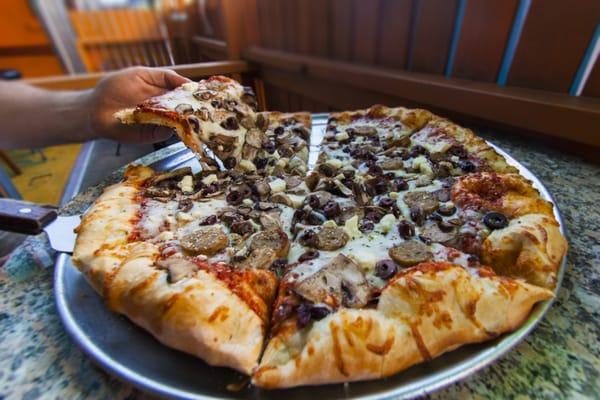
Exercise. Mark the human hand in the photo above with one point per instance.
(127, 88)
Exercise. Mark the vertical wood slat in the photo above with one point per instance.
(484, 34)
(341, 26)
(319, 11)
(394, 33)
(554, 39)
(366, 14)
(432, 35)
(303, 33)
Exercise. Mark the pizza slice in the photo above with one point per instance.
(167, 251)
(217, 112)
(421, 312)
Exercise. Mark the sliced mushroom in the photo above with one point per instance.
(292, 181)
(254, 137)
(259, 258)
(275, 239)
(312, 179)
(282, 198)
(342, 188)
(158, 193)
(341, 282)
(360, 194)
(262, 188)
(425, 201)
(330, 238)
(206, 240)
(249, 152)
(176, 173)
(269, 221)
(363, 130)
(392, 163)
(432, 232)
(177, 268)
(262, 122)
(410, 253)
(184, 109)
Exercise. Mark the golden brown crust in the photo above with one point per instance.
(413, 118)
(212, 314)
(423, 312)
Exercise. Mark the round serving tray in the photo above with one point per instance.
(132, 354)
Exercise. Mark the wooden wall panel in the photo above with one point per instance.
(366, 14)
(483, 37)
(592, 86)
(434, 25)
(554, 39)
(341, 25)
(320, 29)
(394, 33)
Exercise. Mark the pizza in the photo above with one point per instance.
(410, 237)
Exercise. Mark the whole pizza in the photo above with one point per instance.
(409, 238)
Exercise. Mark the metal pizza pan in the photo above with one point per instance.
(128, 352)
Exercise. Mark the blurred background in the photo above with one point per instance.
(520, 67)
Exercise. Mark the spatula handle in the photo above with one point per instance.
(25, 217)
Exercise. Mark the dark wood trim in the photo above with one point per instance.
(213, 45)
(84, 81)
(33, 50)
(559, 115)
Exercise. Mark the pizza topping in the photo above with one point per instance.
(410, 253)
(306, 312)
(209, 220)
(204, 94)
(330, 239)
(206, 240)
(230, 124)
(177, 268)
(171, 175)
(433, 232)
(424, 201)
(385, 269)
(467, 166)
(308, 255)
(495, 220)
(340, 282)
(194, 123)
(406, 229)
(184, 109)
(332, 209)
(447, 209)
(274, 239)
(242, 228)
(362, 130)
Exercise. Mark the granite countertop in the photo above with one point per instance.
(559, 359)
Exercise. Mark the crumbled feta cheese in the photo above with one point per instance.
(334, 163)
(393, 195)
(387, 223)
(281, 163)
(351, 227)
(341, 136)
(248, 202)
(184, 217)
(329, 224)
(190, 86)
(165, 236)
(247, 165)
(209, 179)
(422, 164)
(278, 185)
(187, 184)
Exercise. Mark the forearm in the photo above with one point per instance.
(32, 117)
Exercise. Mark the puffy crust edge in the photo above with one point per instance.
(352, 345)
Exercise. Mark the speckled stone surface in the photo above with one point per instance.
(560, 359)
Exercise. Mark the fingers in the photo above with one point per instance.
(163, 78)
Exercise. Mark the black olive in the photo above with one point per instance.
(242, 228)
(210, 189)
(380, 186)
(331, 209)
(446, 226)
(308, 237)
(467, 166)
(313, 201)
(399, 185)
(495, 220)
(365, 225)
(418, 150)
(229, 162)
(210, 220)
(346, 149)
(231, 124)
(315, 218)
(303, 315)
(386, 202)
(406, 229)
(279, 266)
(457, 150)
(185, 205)
(417, 215)
(435, 217)
(269, 147)
(373, 216)
(278, 131)
(447, 209)
(308, 255)
(215, 103)
(425, 240)
(234, 197)
(385, 269)
(319, 312)
(260, 162)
